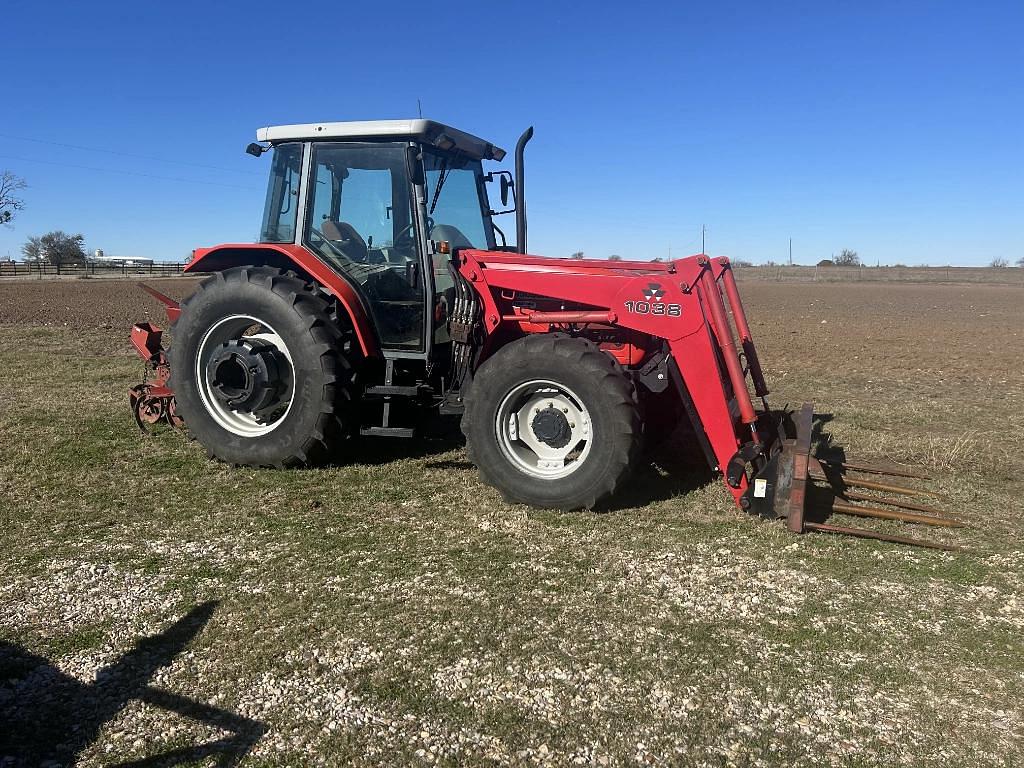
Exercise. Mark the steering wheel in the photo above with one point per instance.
(407, 234)
(330, 244)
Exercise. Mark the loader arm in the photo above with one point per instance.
(692, 305)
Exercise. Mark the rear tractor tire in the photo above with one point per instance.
(259, 369)
(552, 421)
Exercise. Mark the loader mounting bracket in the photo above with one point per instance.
(736, 469)
(778, 489)
(654, 374)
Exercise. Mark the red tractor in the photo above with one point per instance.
(382, 288)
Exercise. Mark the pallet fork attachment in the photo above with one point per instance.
(792, 483)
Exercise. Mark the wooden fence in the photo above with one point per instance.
(89, 269)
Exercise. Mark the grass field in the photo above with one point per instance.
(396, 611)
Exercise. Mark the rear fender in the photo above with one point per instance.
(297, 258)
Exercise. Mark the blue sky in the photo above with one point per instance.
(892, 128)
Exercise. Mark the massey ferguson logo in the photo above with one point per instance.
(654, 292)
(654, 303)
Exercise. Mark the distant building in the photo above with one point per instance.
(121, 261)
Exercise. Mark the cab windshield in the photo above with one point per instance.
(456, 202)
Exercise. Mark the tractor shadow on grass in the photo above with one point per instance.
(434, 437)
(378, 451)
(819, 499)
(49, 718)
(678, 466)
(673, 468)
(652, 482)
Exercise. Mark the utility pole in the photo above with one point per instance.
(791, 251)
(703, 230)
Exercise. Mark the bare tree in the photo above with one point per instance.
(615, 257)
(1020, 261)
(57, 248)
(999, 262)
(847, 258)
(577, 255)
(10, 203)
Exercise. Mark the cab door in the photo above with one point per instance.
(362, 219)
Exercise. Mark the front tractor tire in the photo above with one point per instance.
(258, 369)
(552, 421)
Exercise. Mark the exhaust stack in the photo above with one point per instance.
(521, 191)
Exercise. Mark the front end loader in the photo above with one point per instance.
(382, 291)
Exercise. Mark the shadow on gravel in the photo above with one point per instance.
(48, 718)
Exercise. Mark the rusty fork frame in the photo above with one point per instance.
(799, 470)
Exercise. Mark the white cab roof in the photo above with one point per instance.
(427, 131)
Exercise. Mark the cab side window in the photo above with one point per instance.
(366, 205)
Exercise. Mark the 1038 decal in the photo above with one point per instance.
(653, 303)
(653, 308)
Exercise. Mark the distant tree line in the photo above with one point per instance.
(57, 248)
(10, 199)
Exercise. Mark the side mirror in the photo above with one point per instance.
(507, 190)
(505, 184)
(255, 149)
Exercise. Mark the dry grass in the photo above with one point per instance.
(395, 611)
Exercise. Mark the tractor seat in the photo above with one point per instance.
(452, 234)
(345, 237)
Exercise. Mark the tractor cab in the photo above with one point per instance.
(378, 202)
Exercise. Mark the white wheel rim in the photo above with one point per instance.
(240, 422)
(514, 429)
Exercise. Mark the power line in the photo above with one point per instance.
(128, 173)
(126, 154)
